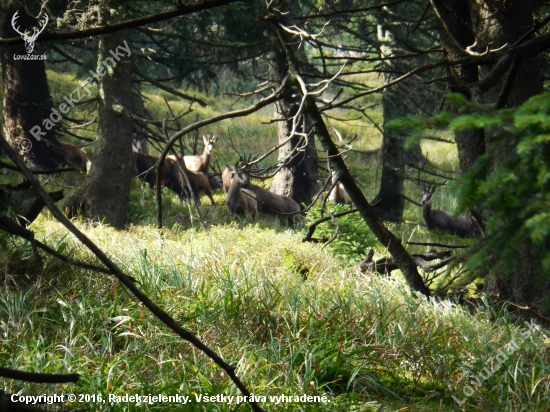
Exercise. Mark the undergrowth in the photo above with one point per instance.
(365, 342)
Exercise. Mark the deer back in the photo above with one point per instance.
(462, 225)
(75, 156)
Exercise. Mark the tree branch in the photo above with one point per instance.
(180, 10)
(38, 377)
(125, 279)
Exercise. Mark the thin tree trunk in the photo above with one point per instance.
(105, 194)
(393, 169)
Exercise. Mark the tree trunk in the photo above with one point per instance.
(403, 99)
(459, 20)
(392, 182)
(457, 33)
(297, 178)
(105, 194)
(525, 286)
(27, 103)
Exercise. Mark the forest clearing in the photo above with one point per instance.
(221, 205)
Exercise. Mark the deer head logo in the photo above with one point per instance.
(29, 40)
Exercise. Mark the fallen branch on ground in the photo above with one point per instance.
(386, 265)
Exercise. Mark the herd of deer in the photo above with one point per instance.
(243, 197)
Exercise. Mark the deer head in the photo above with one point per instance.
(209, 143)
(427, 192)
(29, 40)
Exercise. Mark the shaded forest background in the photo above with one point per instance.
(410, 107)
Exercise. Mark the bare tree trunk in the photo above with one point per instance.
(105, 194)
(298, 177)
(27, 102)
(461, 23)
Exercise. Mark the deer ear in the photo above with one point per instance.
(214, 139)
(205, 139)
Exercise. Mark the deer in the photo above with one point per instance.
(226, 178)
(240, 201)
(270, 203)
(198, 180)
(29, 40)
(202, 163)
(338, 193)
(145, 168)
(75, 156)
(462, 225)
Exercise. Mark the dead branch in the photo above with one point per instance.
(170, 90)
(37, 171)
(313, 226)
(438, 245)
(386, 265)
(38, 377)
(524, 309)
(125, 279)
(179, 10)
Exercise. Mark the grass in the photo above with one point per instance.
(294, 318)
(365, 342)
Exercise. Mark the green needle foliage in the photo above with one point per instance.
(511, 181)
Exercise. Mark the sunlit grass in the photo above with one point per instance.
(364, 341)
(293, 317)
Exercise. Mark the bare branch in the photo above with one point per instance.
(125, 279)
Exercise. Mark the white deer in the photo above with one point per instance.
(29, 40)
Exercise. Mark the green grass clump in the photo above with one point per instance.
(365, 342)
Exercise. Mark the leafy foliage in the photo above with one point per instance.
(511, 180)
(354, 237)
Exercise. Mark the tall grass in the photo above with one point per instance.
(365, 342)
(294, 318)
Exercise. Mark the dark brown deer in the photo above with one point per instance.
(462, 225)
(226, 178)
(270, 203)
(75, 156)
(338, 194)
(145, 168)
(237, 199)
(199, 181)
(202, 163)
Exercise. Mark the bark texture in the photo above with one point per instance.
(105, 194)
(27, 101)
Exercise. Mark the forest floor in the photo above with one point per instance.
(294, 318)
